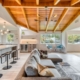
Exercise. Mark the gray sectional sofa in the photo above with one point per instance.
(31, 66)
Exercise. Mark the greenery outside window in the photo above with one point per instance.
(57, 38)
(10, 38)
(74, 39)
(50, 38)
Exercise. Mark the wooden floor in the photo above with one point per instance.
(14, 71)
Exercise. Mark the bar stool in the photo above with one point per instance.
(17, 58)
(8, 66)
(0, 73)
(3, 55)
(13, 62)
(10, 54)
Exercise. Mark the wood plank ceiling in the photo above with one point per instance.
(43, 15)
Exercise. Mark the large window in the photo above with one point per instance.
(10, 38)
(50, 38)
(74, 39)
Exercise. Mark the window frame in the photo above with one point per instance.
(54, 35)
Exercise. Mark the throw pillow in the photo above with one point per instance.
(44, 55)
(36, 57)
(44, 71)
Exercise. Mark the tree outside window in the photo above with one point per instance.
(10, 38)
(74, 39)
(50, 38)
(57, 38)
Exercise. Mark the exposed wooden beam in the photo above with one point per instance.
(50, 15)
(37, 2)
(16, 12)
(61, 18)
(56, 2)
(10, 14)
(33, 29)
(33, 5)
(71, 20)
(38, 24)
(0, 1)
(25, 17)
(73, 2)
(19, 2)
(21, 24)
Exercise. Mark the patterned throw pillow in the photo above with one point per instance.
(44, 71)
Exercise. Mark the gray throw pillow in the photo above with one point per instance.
(31, 67)
(31, 70)
(37, 51)
(33, 61)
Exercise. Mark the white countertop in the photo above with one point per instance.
(6, 46)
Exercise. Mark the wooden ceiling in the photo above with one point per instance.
(43, 15)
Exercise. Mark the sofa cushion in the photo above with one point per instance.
(44, 71)
(47, 62)
(40, 67)
(31, 67)
(31, 70)
(37, 51)
(53, 55)
(36, 56)
(33, 61)
(55, 58)
(55, 72)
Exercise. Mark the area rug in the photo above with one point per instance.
(69, 72)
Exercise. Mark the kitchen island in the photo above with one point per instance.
(7, 48)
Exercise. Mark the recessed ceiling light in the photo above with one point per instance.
(55, 15)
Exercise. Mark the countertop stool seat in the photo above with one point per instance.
(3, 55)
(0, 73)
(13, 55)
(8, 66)
(17, 58)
